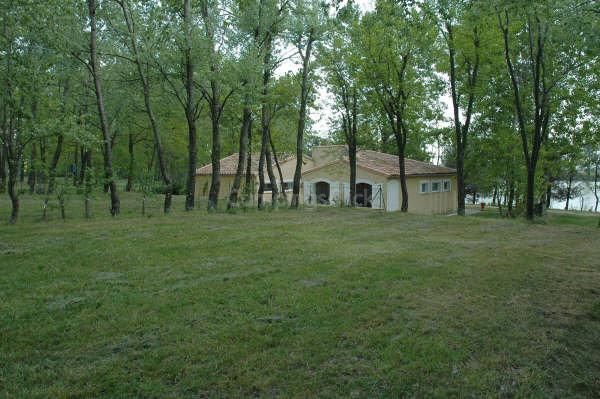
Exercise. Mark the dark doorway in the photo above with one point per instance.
(322, 192)
(363, 195)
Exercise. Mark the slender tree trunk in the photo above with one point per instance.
(108, 168)
(511, 199)
(265, 130)
(461, 131)
(401, 143)
(271, 174)
(242, 156)
(596, 176)
(495, 195)
(215, 155)
(352, 159)
(14, 158)
(459, 147)
(282, 182)
(190, 108)
(531, 141)
(214, 101)
(248, 183)
(86, 165)
(130, 169)
(569, 185)
(75, 165)
(350, 127)
(2, 169)
(54, 163)
(12, 191)
(261, 177)
(162, 166)
(548, 196)
(32, 175)
(59, 144)
(302, 120)
(529, 195)
(266, 139)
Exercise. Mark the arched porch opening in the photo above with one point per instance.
(364, 192)
(322, 191)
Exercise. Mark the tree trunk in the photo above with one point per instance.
(32, 175)
(214, 100)
(130, 169)
(74, 166)
(401, 164)
(242, 156)
(350, 127)
(461, 131)
(248, 183)
(272, 178)
(282, 182)
(400, 134)
(54, 163)
(215, 155)
(261, 177)
(108, 169)
(548, 196)
(302, 120)
(529, 205)
(59, 143)
(352, 159)
(266, 140)
(511, 198)
(569, 186)
(12, 191)
(265, 153)
(190, 108)
(86, 165)
(150, 112)
(2, 169)
(596, 175)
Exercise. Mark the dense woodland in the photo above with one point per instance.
(99, 91)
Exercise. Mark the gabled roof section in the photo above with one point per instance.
(388, 165)
(229, 165)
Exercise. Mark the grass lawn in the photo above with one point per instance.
(327, 302)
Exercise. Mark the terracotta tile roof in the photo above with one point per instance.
(229, 165)
(387, 164)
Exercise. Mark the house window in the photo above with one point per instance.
(446, 185)
(436, 187)
(424, 187)
(288, 185)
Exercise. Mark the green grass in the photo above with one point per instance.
(552, 217)
(327, 303)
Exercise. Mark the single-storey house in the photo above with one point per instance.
(326, 180)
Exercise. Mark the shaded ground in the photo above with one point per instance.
(328, 303)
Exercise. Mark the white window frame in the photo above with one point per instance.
(421, 187)
(439, 182)
(449, 185)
